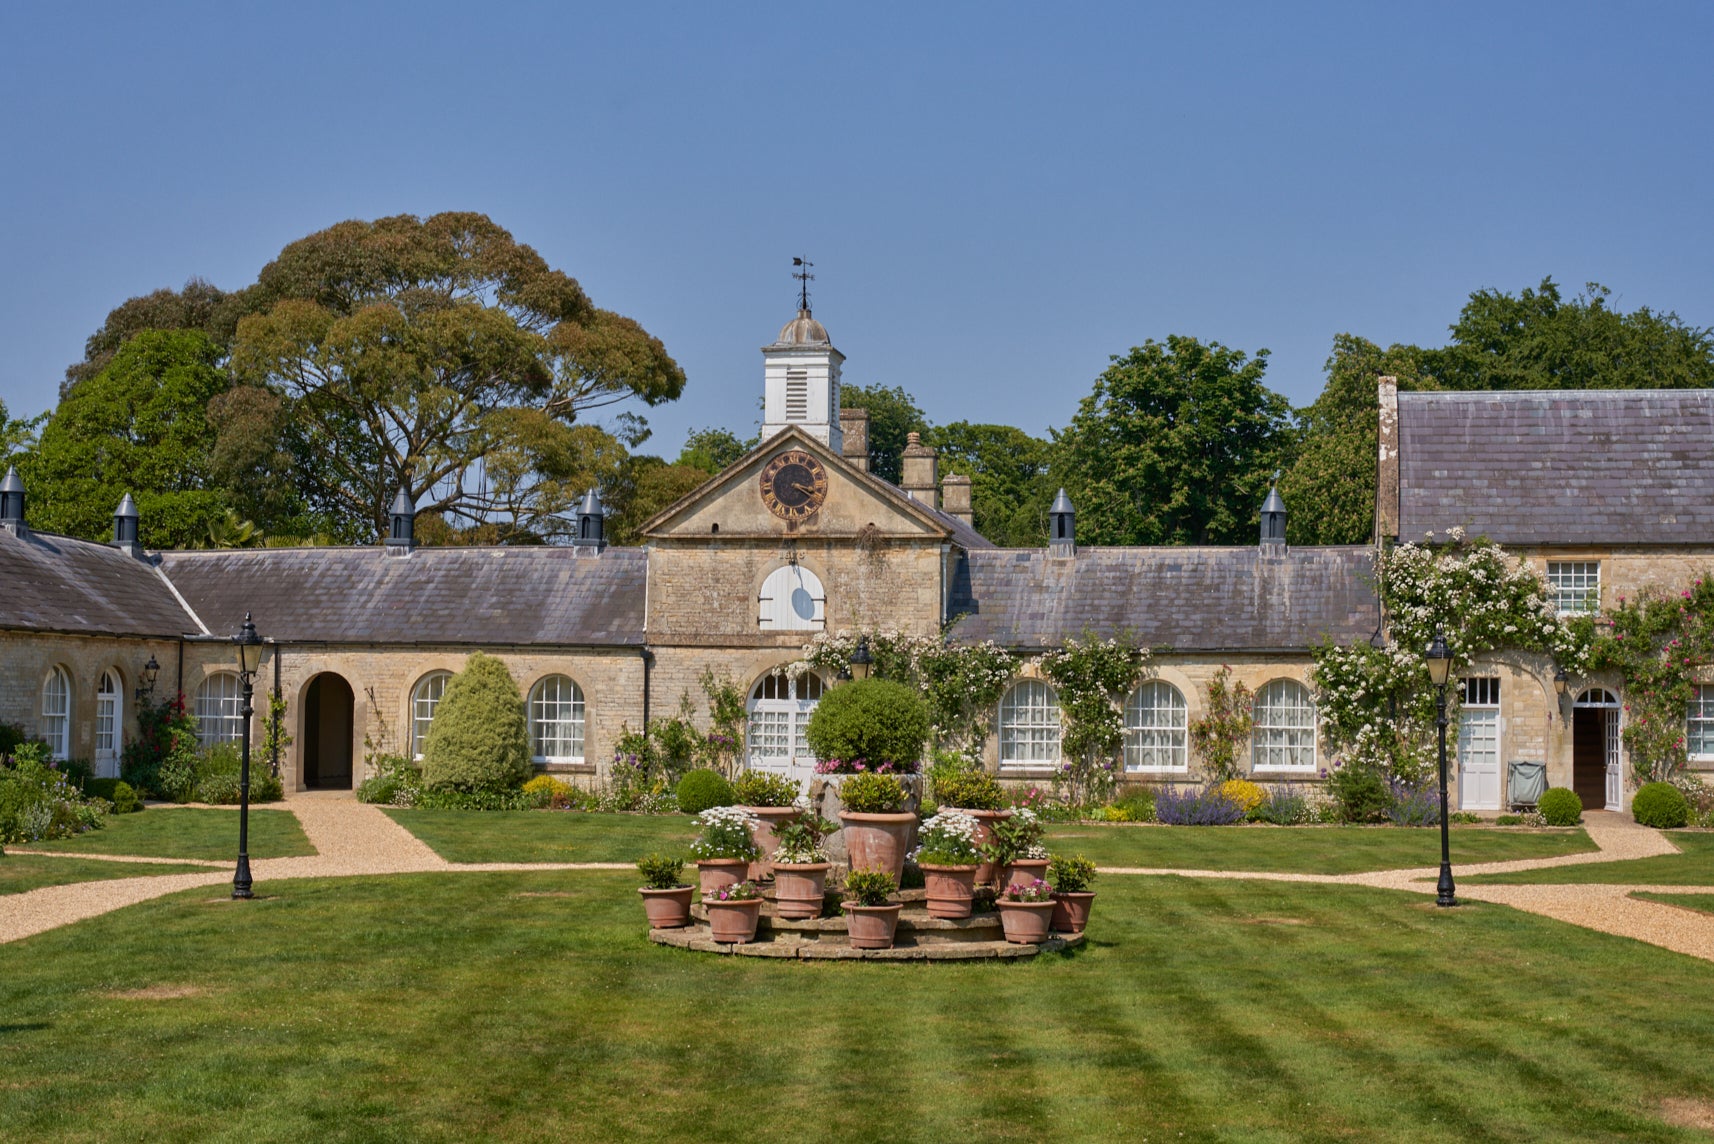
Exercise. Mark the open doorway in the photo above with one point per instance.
(1595, 772)
(328, 705)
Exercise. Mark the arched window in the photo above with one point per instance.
(1284, 728)
(216, 709)
(1156, 726)
(556, 721)
(56, 712)
(1029, 725)
(780, 707)
(424, 699)
(109, 716)
(792, 600)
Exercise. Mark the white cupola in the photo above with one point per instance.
(800, 378)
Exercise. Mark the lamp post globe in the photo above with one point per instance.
(249, 646)
(1439, 657)
(146, 677)
(862, 660)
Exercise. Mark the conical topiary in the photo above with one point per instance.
(477, 740)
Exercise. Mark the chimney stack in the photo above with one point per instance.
(955, 497)
(12, 503)
(1273, 520)
(125, 527)
(1061, 527)
(402, 531)
(854, 430)
(1387, 462)
(591, 535)
(918, 476)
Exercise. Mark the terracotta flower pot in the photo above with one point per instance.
(1024, 871)
(767, 818)
(733, 923)
(950, 890)
(1025, 923)
(872, 927)
(985, 820)
(1071, 911)
(717, 872)
(879, 841)
(799, 888)
(667, 909)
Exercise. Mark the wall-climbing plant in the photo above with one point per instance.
(1092, 676)
(1657, 642)
(1221, 735)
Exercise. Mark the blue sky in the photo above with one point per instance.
(997, 196)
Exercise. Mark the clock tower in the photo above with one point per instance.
(800, 378)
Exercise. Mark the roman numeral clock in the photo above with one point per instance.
(794, 485)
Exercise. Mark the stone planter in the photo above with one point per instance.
(799, 889)
(733, 923)
(1024, 871)
(717, 872)
(1071, 911)
(985, 819)
(872, 927)
(950, 890)
(879, 841)
(1025, 923)
(824, 800)
(767, 819)
(667, 909)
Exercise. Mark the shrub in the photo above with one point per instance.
(1016, 837)
(1360, 793)
(11, 735)
(1660, 805)
(1465, 818)
(164, 731)
(872, 794)
(759, 788)
(546, 792)
(968, 790)
(477, 740)
(36, 802)
(1196, 808)
(947, 839)
(396, 782)
(1073, 875)
(116, 791)
(1246, 794)
(727, 832)
(1284, 806)
(700, 790)
(1560, 807)
(869, 887)
(77, 771)
(800, 839)
(1134, 805)
(875, 720)
(1509, 820)
(215, 775)
(1413, 805)
(661, 872)
(451, 798)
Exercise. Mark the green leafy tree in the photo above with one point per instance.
(1008, 469)
(874, 720)
(712, 450)
(477, 740)
(17, 434)
(1174, 446)
(199, 306)
(893, 414)
(642, 487)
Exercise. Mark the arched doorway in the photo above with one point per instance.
(328, 704)
(780, 708)
(1595, 774)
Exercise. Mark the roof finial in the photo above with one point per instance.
(803, 276)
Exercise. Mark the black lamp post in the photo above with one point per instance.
(1559, 685)
(861, 660)
(249, 662)
(1439, 667)
(146, 678)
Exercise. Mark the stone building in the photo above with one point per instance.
(1605, 492)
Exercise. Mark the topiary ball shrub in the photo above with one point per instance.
(969, 790)
(1660, 805)
(1560, 807)
(477, 740)
(759, 788)
(875, 720)
(703, 789)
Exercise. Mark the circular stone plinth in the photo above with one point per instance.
(830, 947)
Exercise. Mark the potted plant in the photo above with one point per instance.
(769, 799)
(948, 856)
(978, 794)
(666, 900)
(877, 833)
(1017, 851)
(725, 847)
(871, 916)
(801, 865)
(1026, 910)
(732, 912)
(1071, 879)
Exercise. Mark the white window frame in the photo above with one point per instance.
(1157, 730)
(1577, 582)
(1286, 724)
(1029, 726)
(563, 714)
(1701, 712)
(423, 707)
(56, 712)
(778, 712)
(218, 712)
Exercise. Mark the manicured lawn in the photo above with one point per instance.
(1305, 849)
(190, 832)
(20, 872)
(1694, 867)
(546, 836)
(1701, 903)
(529, 1007)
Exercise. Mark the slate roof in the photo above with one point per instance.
(1189, 599)
(1559, 466)
(56, 584)
(496, 596)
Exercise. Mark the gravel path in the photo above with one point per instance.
(352, 838)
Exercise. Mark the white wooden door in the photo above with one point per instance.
(779, 716)
(109, 725)
(1615, 778)
(1479, 758)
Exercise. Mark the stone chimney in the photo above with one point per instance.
(919, 474)
(955, 497)
(1387, 467)
(854, 429)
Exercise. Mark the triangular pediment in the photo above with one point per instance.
(731, 505)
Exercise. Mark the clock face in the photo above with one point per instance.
(793, 485)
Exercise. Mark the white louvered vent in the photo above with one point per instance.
(797, 395)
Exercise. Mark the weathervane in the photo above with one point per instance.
(804, 277)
